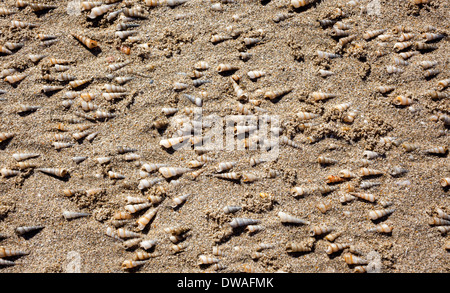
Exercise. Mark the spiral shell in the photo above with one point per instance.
(320, 230)
(255, 74)
(58, 172)
(377, 214)
(292, 247)
(131, 264)
(146, 218)
(373, 33)
(15, 78)
(444, 182)
(271, 95)
(442, 84)
(229, 176)
(437, 150)
(287, 218)
(366, 196)
(327, 55)
(301, 3)
(226, 67)
(352, 259)
(27, 229)
(69, 215)
(335, 247)
(9, 252)
(332, 236)
(134, 208)
(99, 11)
(240, 222)
(207, 260)
(169, 172)
(381, 228)
(171, 142)
(365, 172)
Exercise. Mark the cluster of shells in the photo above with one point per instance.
(132, 191)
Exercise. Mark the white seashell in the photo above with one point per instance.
(146, 218)
(376, 214)
(69, 215)
(146, 183)
(286, 218)
(169, 172)
(240, 222)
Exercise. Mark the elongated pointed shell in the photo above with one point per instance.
(376, 214)
(59, 172)
(286, 218)
(8, 252)
(68, 215)
(335, 247)
(168, 172)
(146, 218)
(27, 229)
(240, 222)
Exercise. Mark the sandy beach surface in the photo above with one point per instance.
(164, 49)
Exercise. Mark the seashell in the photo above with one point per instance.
(69, 215)
(437, 150)
(224, 166)
(27, 229)
(400, 46)
(347, 174)
(77, 83)
(306, 115)
(103, 114)
(88, 5)
(176, 230)
(346, 40)
(207, 260)
(40, 7)
(194, 100)
(115, 175)
(326, 189)
(146, 183)
(369, 172)
(301, 3)
(117, 66)
(442, 84)
(322, 96)
(323, 207)
(431, 72)
(169, 172)
(445, 182)
(393, 69)
(320, 230)
(26, 165)
(5, 50)
(249, 177)
(131, 264)
(4, 262)
(428, 64)
(103, 160)
(327, 55)
(13, 46)
(332, 236)
(424, 46)
(381, 228)
(334, 179)
(240, 93)
(180, 199)
(366, 196)
(125, 34)
(124, 233)
(113, 96)
(255, 228)
(226, 67)
(99, 11)
(406, 37)
(327, 22)
(335, 247)
(60, 145)
(8, 172)
(13, 79)
(298, 247)
(231, 209)
(197, 173)
(407, 55)
(9, 252)
(429, 37)
(146, 218)
(150, 167)
(251, 41)
(325, 73)
(6, 135)
(326, 160)
(111, 88)
(230, 176)
(22, 24)
(368, 184)
(439, 221)
(50, 88)
(201, 65)
(398, 61)
(24, 156)
(354, 260)
(58, 172)
(219, 38)
(240, 222)
(286, 218)
(300, 191)
(173, 3)
(376, 214)
(171, 142)
(370, 154)
(409, 147)
(148, 244)
(176, 248)
(373, 33)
